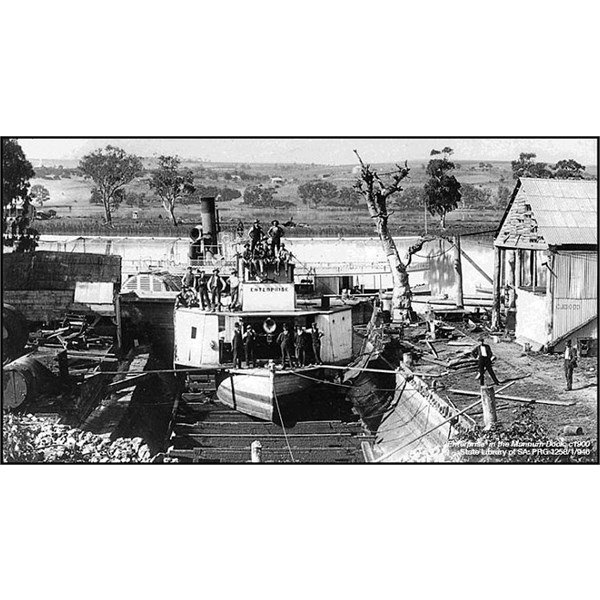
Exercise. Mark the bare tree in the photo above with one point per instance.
(376, 193)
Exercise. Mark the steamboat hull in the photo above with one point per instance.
(261, 393)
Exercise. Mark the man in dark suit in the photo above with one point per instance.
(236, 346)
(483, 353)
(570, 364)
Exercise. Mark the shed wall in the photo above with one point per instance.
(575, 290)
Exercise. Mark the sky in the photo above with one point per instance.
(316, 150)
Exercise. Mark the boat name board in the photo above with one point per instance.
(268, 296)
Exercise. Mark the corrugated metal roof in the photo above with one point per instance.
(566, 210)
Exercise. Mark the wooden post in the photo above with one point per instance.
(497, 291)
(512, 280)
(458, 269)
(256, 452)
(119, 320)
(488, 403)
(549, 297)
(63, 365)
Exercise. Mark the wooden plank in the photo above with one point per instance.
(501, 389)
(125, 383)
(433, 350)
(516, 398)
(476, 266)
(434, 361)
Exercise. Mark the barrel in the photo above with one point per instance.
(23, 380)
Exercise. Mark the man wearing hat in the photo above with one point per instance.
(236, 346)
(201, 285)
(275, 234)
(234, 286)
(250, 345)
(483, 354)
(255, 234)
(216, 285)
(283, 259)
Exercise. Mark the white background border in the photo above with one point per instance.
(312, 68)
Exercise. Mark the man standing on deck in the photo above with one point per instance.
(316, 335)
(234, 287)
(202, 289)
(570, 364)
(255, 234)
(275, 234)
(285, 342)
(236, 346)
(216, 286)
(483, 353)
(188, 279)
(305, 345)
(249, 344)
(298, 345)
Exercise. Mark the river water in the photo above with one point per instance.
(434, 264)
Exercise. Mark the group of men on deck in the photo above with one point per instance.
(265, 249)
(200, 290)
(299, 348)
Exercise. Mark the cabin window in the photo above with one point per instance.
(533, 270)
(194, 332)
(526, 279)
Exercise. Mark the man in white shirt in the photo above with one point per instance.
(570, 364)
(484, 361)
(234, 287)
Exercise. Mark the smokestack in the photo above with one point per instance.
(208, 215)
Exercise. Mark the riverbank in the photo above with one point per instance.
(321, 223)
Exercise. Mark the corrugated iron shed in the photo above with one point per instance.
(566, 210)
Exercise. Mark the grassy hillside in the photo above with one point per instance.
(70, 198)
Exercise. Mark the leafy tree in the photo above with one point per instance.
(317, 192)
(111, 169)
(170, 183)
(568, 169)
(138, 199)
(16, 202)
(227, 194)
(40, 194)
(412, 198)
(527, 167)
(348, 196)
(259, 196)
(503, 196)
(202, 191)
(16, 172)
(474, 196)
(442, 190)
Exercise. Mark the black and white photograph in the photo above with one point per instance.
(300, 300)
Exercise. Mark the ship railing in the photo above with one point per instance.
(175, 267)
(339, 268)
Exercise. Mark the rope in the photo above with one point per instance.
(339, 384)
(208, 371)
(282, 425)
(435, 255)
